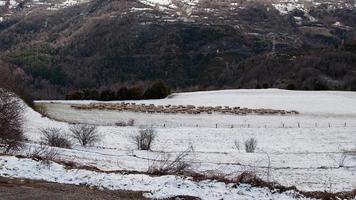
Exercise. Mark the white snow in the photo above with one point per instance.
(307, 157)
(294, 151)
(155, 187)
(13, 4)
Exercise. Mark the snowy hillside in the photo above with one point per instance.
(50, 4)
(308, 155)
(283, 6)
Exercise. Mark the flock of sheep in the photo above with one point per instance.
(174, 109)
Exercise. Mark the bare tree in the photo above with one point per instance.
(144, 139)
(85, 134)
(55, 137)
(11, 121)
(250, 145)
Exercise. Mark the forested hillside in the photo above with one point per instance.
(110, 44)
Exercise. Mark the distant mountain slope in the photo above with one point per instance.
(65, 45)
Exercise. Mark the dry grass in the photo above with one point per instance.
(167, 165)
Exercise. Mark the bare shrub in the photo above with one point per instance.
(130, 122)
(48, 156)
(35, 152)
(144, 138)
(56, 137)
(340, 159)
(237, 145)
(43, 153)
(250, 145)
(166, 165)
(11, 121)
(120, 124)
(85, 134)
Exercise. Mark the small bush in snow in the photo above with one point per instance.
(341, 158)
(250, 145)
(43, 153)
(131, 122)
(144, 139)
(36, 152)
(49, 155)
(167, 165)
(55, 137)
(85, 134)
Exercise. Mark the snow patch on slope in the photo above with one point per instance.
(296, 158)
(285, 8)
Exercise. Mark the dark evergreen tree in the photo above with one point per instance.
(122, 93)
(74, 95)
(265, 85)
(107, 95)
(158, 90)
(135, 93)
(291, 86)
(94, 94)
(86, 94)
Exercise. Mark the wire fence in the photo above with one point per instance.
(259, 125)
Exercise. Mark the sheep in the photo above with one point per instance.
(174, 109)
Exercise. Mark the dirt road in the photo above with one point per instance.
(19, 189)
(24, 189)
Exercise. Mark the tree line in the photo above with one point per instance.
(157, 90)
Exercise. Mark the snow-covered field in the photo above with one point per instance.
(307, 156)
(155, 187)
(318, 109)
